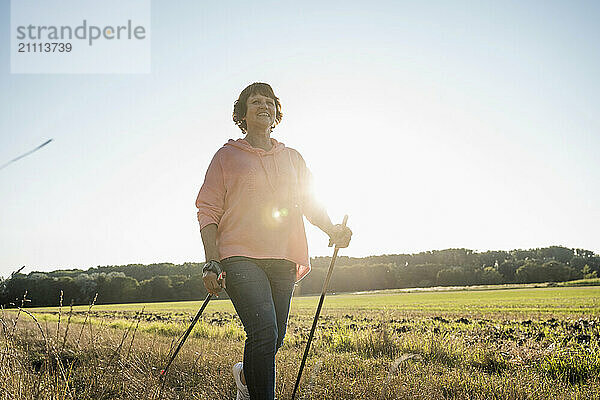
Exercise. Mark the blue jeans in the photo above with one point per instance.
(261, 292)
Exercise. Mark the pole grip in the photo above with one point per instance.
(344, 225)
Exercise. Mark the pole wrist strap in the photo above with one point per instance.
(212, 266)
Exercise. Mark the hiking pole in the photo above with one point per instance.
(314, 325)
(163, 372)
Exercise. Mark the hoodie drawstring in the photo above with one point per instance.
(276, 165)
(262, 162)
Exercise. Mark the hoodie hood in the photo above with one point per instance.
(260, 153)
(244, 145)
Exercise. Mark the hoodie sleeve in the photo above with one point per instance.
(211, 198)
(314, 211)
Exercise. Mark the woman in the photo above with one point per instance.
(250, 210)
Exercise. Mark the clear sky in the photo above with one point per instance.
(433, 124)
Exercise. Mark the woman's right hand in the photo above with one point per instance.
(339, 235)
(213, 283)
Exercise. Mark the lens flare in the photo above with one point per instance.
(279, 213)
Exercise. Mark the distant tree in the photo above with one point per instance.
(125, 287)
(2, 290)
(68, 287)
(558, 253)
(193, 288)
(420, 275)
(552, 271)
(579, 262)
(508, 269)
(490, 276)
(588, 273)
(584, 253)
(453, 276)
(88, 288)
(177, 282)
(156, 289)
(560, 272)
(362, 277)
(531, 272)
(491, 258)
(520, 254)
(313, 282)
(16, 287)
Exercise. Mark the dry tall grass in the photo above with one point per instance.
(80, 357)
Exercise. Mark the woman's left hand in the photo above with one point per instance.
(340, 236)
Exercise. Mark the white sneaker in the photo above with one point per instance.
(242, 390)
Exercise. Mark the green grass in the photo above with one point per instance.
(581, 282)
(573, 365)
(527, 302)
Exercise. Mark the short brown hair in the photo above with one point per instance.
(240, 106)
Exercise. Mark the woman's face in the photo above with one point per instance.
(260, 111)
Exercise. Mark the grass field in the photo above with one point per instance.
(514, 343)
(525, 301)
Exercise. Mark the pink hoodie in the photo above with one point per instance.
(257, 199)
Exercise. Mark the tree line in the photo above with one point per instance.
(171, 282)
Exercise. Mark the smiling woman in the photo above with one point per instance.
(250, 210)
(256, 102)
